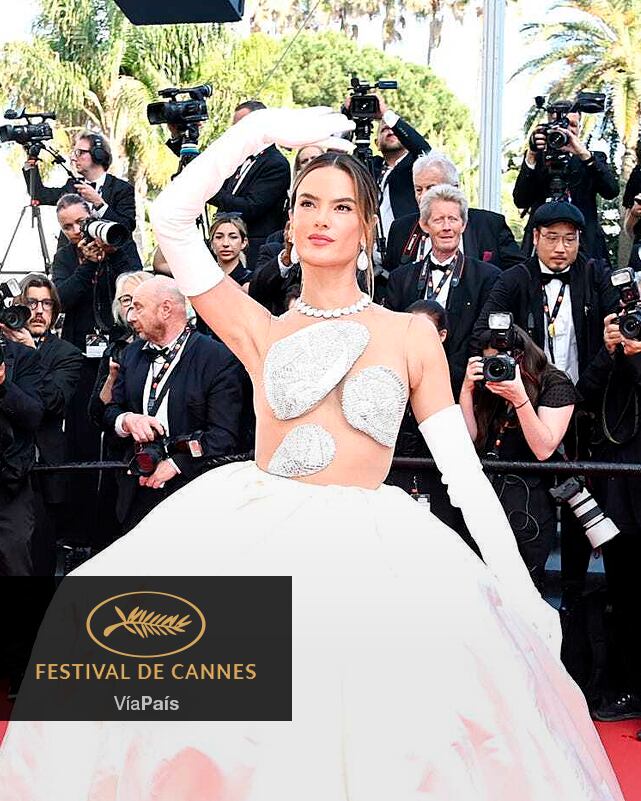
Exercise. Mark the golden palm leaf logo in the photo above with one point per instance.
(148, 624)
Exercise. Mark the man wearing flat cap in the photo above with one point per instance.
(560, 297)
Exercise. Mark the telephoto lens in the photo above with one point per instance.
(111, 233)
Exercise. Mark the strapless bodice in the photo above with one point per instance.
(300, 371)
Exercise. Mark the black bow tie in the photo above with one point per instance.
(442, 267)
(564, 277)
(92, 184)
(153, 352)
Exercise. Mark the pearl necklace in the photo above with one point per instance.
(310, 311)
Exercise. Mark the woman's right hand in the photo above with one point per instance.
(473, 373)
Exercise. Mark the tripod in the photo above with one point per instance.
(33, 152)
(363, 152)
(188, 151)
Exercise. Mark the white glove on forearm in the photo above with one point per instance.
(176, 209)
(451, 446)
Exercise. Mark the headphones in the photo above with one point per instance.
(99, 152)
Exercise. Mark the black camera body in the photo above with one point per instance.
(502, 366)
(30, 132)
(181, 113)
(17, 316)
(363, 105)
(148, 455)
(629, 321)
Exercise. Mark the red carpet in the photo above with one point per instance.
(619, 740)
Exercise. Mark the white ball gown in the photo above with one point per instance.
(419, 672)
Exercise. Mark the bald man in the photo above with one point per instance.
(173, 381)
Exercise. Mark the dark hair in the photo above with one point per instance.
(297, 166)
(251, 105)
(71, 199)
(366, 196)
(40, 281)
(532, 362)
(434, 311)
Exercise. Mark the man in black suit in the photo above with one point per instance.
(587, 175)
(257, 191)
(461, 284)
(61, 363)
(20, 415)
(487, 236)
(108, 197)
(560, 298)
(173, 381)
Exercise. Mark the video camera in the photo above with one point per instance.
(365, 106)
(31, 133)
(501, 367)
(111, 233)
(181, 113)
(14, 317)
(148, 455)
(629, 321)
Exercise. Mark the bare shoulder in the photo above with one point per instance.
(401, 320)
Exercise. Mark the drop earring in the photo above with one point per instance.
(293, 254)
(362, 262)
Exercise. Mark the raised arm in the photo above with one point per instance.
(443, 427)
(238, 320)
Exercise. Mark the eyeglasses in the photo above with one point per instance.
(125, 300)
(554, 239)
(78, 151)
(32, 303)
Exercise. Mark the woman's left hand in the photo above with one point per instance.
(511, 391)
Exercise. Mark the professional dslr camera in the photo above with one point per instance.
(111, 233)
(30, 134)
(148, 455)
(14, 317)
(501, 367)
(598, 528)
(629, 321)
(181, 113)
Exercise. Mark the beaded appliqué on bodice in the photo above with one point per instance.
(300, 370)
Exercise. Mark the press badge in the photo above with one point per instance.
(96, 346)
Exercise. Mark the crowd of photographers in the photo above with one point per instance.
(105, 360)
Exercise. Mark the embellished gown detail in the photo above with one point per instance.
(414, 677)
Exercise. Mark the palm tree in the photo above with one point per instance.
(599, 47)
(95, 69)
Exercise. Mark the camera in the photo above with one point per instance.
(111, 233)
(629, 321)
(555, 130)
(30, 132)
(148, 455)
(365, 106)
(14, 317)
(598, 528)
(501, 367)
(181, 113)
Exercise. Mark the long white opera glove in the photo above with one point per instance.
(449, 441)
(176, 209)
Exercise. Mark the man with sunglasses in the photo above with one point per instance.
(60, 364)
(109, 198)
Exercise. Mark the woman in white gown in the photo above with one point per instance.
(419, 672)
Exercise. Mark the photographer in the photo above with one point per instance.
(585, 176)
(173, 381)
(61, 363)
(257, 191)
(21, 413)
(108, 197)
(521, 418)
(611, 387)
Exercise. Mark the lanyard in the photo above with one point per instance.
(551, 318)
(153, 402)
(425, 276)
(507, 422)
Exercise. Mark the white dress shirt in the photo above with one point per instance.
(100, 182)
(566, 353)
(437, 275)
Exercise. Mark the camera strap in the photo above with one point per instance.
(412, 245)
(550, 318)
(455, 269)
(155, 397)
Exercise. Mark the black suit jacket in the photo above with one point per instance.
(487, 237)
(464, 303)
(61, 363)
(532, 188)
(261, 197)
(87, 290)
(518, 290)
(117, 194)
(205, 395)
(400, 182)
(21, 412)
